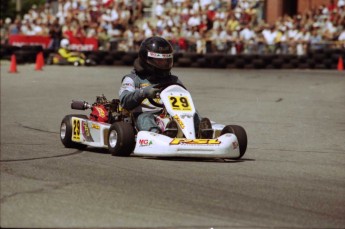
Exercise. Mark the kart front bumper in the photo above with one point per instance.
(157, 145)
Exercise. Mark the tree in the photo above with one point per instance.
(8, 7)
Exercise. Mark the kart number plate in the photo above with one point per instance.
(180, 103)
(75, 129)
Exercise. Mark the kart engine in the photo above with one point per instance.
(101, 110)
(99, 113)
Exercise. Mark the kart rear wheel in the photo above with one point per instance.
(50, 60)
(240, 134)
(121, 139)
(66, 132)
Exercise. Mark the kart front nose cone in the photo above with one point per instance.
(113, 138)
(63, 130)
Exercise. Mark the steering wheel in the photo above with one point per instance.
(161, 87)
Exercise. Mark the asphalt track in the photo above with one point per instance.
(292, 175)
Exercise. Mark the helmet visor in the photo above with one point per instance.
(160, 60)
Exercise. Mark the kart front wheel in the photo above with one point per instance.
(121, 139)
(240, 134)
(66, 132)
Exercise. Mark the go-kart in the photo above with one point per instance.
(78, 60)
(112, 127)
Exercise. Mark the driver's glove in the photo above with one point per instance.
(149, 92)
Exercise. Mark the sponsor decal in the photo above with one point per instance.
(182, 141)
(179, 121)
(160, 55)
(95, 126)
(86, 132)
(144, 85)
(186, 116)
(235, 145)
(127, 85)
(145, 142)
(100, 111)
(146, 103)
(76, 43)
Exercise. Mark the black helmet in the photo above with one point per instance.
(156, 56)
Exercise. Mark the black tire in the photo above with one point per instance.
(93, 58)
(50, 59)
(192, 56)
(118, 55)
(328, 63)
(108, 59)
(66, 132)
(184, 62)
(118, 63)
(230, 66)
(121, 139)
(277, 63)
(287, 66)
(241, 137)
(239, 63)
(128, 59)
(258, 63)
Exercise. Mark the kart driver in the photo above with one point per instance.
(152, 67)
(75, 58)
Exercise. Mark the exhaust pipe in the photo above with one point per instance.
(80, 105)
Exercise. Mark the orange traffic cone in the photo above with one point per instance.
(340, 64)
(13, 66)
(39, 61)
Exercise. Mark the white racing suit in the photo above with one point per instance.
(132, 99)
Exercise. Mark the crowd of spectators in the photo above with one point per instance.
(200, 26)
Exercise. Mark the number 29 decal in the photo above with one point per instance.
(180, 103)
(75, 129)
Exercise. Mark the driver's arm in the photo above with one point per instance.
(130, 97)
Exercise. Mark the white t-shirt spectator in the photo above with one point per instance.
(329, 26)
(302, 36)
(205, 3)
(107, 15)
(269, 36)
(194, 21)
(247, 34)
(67, 6)
(292, 33)
(113, 32)
(167, 34)
(244, 5)
(147, 30)
(224, 36)
(37, 29)
(33, 13)
(342, 36)
(114, 15)
(196, 6)
(159, 10)
(28, 30)
(91, 32)
(61, 15)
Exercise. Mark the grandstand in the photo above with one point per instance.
(196, 28)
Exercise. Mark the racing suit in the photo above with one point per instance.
(72, 57)
(132, 97)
